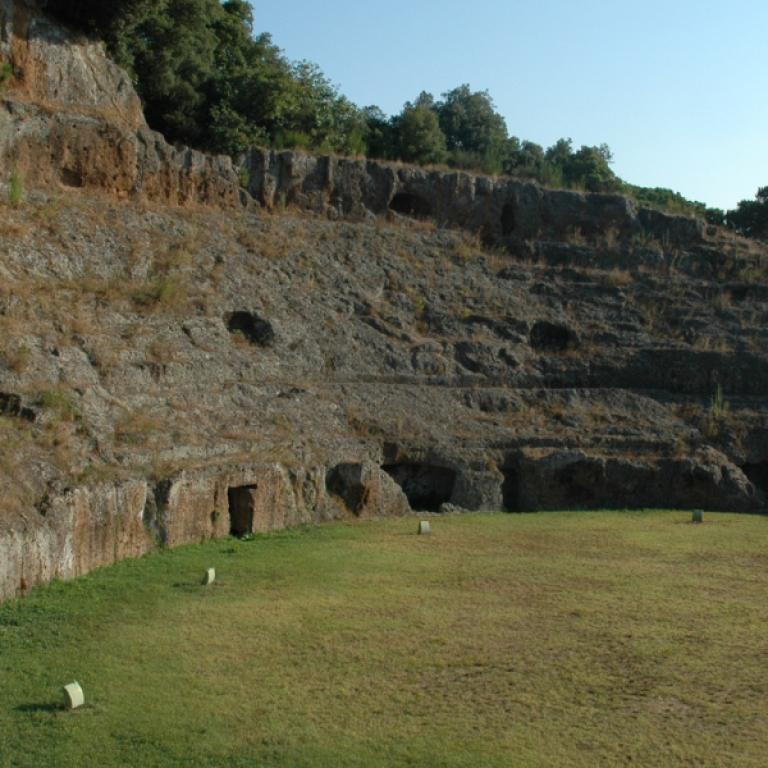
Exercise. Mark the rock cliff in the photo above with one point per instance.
(192, 346)
(71, 119)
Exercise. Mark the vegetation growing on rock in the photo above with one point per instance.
(207, 81)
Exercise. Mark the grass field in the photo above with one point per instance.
(559, 639)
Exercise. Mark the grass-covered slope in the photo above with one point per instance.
(568, 639)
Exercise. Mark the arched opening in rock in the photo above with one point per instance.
(425, 486)
(758, 475)
(345, 482)
(552, 337)
(409, 204)
(251, 326)
(510, 489)
(508, 219)
(242, 504)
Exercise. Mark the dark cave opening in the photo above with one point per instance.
(72, 178)
(508, 219)
(426, 486)
(241, 510)
(758, 475)
(11, 405)
(251, 326)
(552, 337)
(409, 204)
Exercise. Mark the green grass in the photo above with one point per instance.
(561, 639)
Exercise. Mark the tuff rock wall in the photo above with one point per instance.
(343, 349)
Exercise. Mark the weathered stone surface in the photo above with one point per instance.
(72, 119)
(88, 152)
(365, 490)
(61, 72)
(81, 530)
(478, 490)
(564, 480)
(502, 211)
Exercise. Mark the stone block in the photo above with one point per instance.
(73, 696)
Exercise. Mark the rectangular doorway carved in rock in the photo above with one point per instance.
(242, 503)
(510, 489)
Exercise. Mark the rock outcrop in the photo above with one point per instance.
(505, 212)
(218, 347)
(70, 118)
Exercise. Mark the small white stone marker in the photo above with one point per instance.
(423, 528)
(210, 577)
(73, 696)
(697, 516)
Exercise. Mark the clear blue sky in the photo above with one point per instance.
(677, 89)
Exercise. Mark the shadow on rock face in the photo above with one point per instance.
(345, 481)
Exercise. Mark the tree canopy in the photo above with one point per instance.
(206, 80)
(475, 133)
(417, 133)
(750, 217)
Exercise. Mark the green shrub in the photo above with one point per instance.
(166, 291)
(15, 189)
(59, 402)
(718, 407)
(6, 75)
